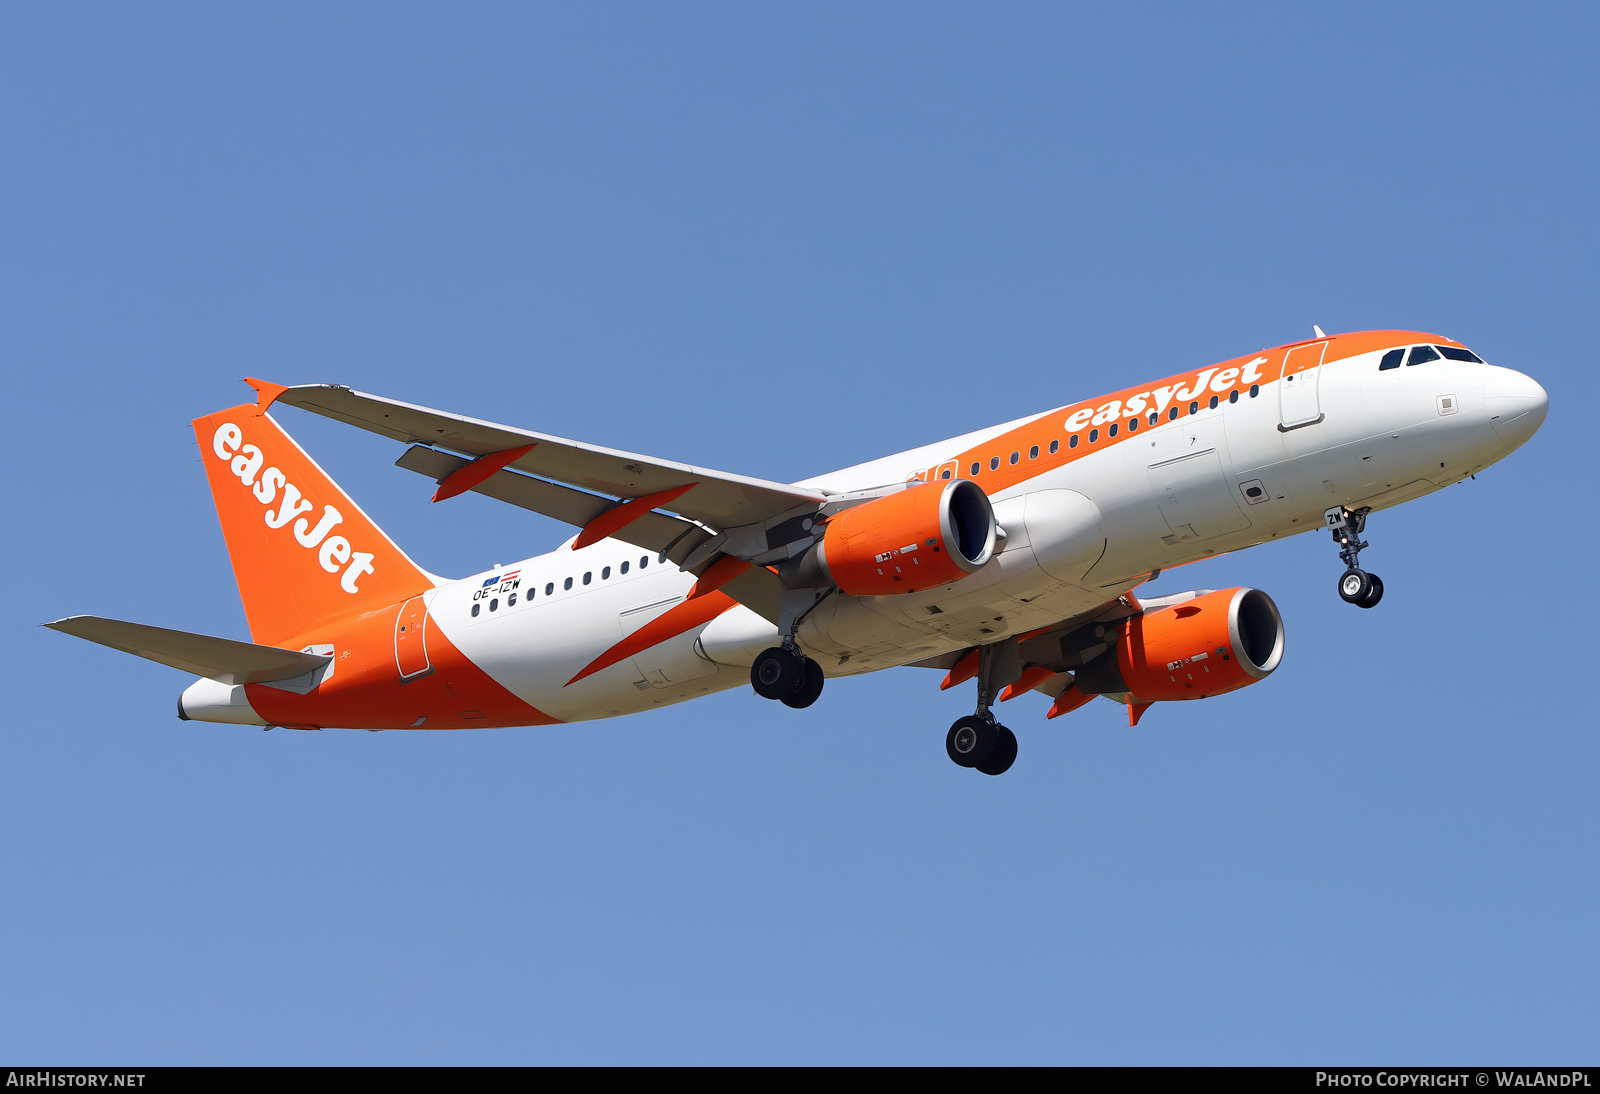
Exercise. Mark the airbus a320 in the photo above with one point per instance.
(1010, 557)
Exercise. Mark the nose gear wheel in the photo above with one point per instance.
(1356, 586)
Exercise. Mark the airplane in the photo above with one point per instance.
(1008, 556)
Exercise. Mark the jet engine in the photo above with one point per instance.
(923, 536)
(1217, 642)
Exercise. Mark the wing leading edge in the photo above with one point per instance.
(718, 499)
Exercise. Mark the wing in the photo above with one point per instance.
(220, 659)
(715, 498)
(605, 491)
(1046, 659)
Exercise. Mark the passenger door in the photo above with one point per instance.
(1298, 404)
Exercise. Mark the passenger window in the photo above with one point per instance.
(494, 604)
(975, 470)
(1055, 446)
(1072, 441)
(1111, 430)
(1172, 414)
(511, 600)
(1094, 435)
(605, 573)
(1420, 354)
(1391, 359)
(945, 474)
(994, 463)
(567, 584)
(550, 589)
(475, 609)
(1213, 403)
(1015, 456)
(1233, 396)
(623, 568)
(1155, 416)
(644, 561)
(1255, 389)
(1194, 408)
(663, 557)
(588, 576)
(1133, 424)
(1033, 453)
(1455, 354)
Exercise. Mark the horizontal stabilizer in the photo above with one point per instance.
(220, 659)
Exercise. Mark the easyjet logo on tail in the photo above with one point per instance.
(333, 552)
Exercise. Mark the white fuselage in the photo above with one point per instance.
(1077, 535)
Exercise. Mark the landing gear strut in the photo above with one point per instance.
(978, 741)
(1356, 586)
(782, 672)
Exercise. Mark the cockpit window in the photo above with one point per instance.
(1420, 354)
(1455, 354)
(1392, 359)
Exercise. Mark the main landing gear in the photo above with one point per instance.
(981, 742)
(978, 741)
(782, 672)
(787, 675)
(1356, 586)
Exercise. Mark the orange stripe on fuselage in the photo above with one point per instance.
(669, 624)
(365, 691)
(1052, 426)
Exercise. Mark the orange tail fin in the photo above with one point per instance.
(302, 551)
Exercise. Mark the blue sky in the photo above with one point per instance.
(778, 240)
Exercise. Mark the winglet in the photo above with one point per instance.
(465, 478)
(620, 516)
(266, 392)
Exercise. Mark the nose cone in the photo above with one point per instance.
(1517, 406)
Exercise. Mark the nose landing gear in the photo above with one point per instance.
(1356, 586)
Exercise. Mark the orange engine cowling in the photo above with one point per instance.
(921, 537)
(1218, 642)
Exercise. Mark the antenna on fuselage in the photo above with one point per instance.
(1318, 331)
